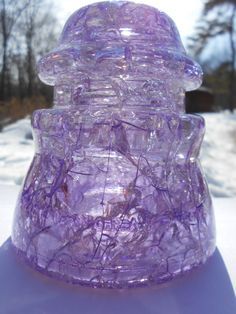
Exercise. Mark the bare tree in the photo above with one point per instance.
(10, 12)
(218, 19)
(38, 27)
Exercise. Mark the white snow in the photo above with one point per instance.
(16, 152)
(218, 155)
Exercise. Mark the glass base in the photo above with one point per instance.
(118, 277)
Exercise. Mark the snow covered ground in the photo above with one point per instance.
(218, 154)
(16, 152)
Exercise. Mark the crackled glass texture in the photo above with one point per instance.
(115, 196)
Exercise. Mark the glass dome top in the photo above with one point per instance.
(120, 39)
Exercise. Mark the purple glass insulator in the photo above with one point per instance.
(115, 196)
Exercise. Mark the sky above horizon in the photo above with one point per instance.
(183, 13)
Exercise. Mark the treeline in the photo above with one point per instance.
(28, 30)
(214, 46)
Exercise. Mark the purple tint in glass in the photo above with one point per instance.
(115, 196)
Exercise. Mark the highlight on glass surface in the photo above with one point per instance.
(115, 196)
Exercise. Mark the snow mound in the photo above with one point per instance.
(218, 154)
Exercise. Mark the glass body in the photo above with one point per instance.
(115, 196)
